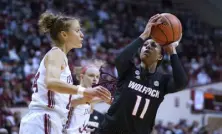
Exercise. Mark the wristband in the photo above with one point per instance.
(81, 90)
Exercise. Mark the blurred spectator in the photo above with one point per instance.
(6, 118)
(6, 97)
(159, 127)
(19, 96)
(194, 127)
(203, 78)
(169, 128)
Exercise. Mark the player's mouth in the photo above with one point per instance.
(147, 52)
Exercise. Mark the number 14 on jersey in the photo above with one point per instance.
(137, 104)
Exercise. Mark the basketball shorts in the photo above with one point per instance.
(40, 123)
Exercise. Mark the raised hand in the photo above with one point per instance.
(153, 21)
(171, 48)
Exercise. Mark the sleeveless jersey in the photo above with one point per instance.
(47, 100)
(78, 118)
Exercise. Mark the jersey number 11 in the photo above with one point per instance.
(138, 100)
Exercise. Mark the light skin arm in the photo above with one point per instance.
(84, 100)
(78, 101)
(179, 79)
(53, 71)
(53, 63)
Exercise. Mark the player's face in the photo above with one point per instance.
(150, 52)
(75, 35)
(90, 77)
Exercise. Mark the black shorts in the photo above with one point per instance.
(109, 126)
(112, 131)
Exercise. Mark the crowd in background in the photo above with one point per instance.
(108, 26)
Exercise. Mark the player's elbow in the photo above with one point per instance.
(49, 83)
(118, 60)
(185, 82)
(182, 84)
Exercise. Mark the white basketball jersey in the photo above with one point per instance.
(47, 100)
(78, 118)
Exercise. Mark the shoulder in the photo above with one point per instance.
(131, 69)
(55, 54)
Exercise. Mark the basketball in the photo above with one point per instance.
(168, 31)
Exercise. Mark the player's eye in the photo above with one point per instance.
(145, 44)
(91, 75)
(153, 44)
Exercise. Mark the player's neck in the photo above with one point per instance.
(64, 48)
(151, 68)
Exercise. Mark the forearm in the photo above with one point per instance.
(77, 101)
(123, 60)
(60, 86)
(129, 51)
(179, 74)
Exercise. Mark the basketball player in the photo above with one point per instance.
(53, 82)
(141, 89)
(81, 107)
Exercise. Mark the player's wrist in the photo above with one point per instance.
(174, 51)
(144, 36)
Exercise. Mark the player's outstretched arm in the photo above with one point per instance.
(179, 80)
(79, 100)
(83, 100)
(53, 63)
(123, 60)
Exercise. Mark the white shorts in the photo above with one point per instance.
(77, 121)
(78, 124)
(40, 123)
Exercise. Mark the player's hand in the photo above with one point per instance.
(90, 130)
(171, 48)
(98, 91)
(111, 101)
(154, 20)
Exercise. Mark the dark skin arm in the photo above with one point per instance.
(179, 79)
(123, 60)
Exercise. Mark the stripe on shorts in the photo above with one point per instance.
(68, 105)
(51, 100)
(68, 122)
(47, 124)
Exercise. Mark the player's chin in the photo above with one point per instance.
(79, 45)
(144, 56)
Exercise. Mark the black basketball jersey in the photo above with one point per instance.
(137, 99)
(139, 94)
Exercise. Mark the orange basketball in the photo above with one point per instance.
(167, 32)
